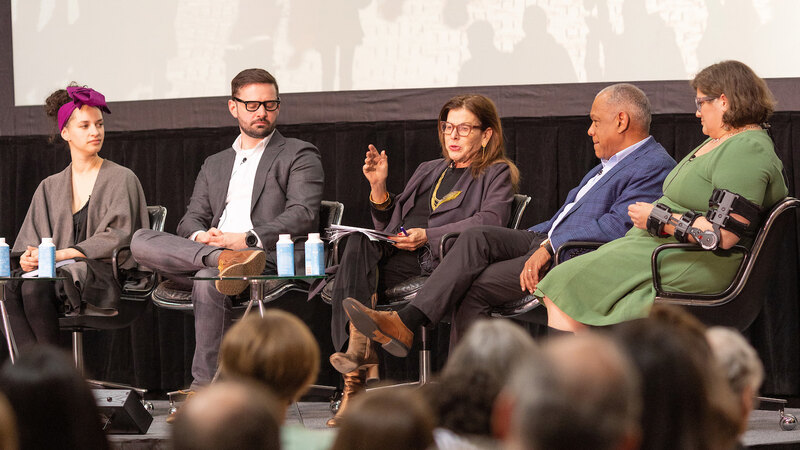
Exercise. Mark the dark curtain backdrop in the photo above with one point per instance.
(552, 153)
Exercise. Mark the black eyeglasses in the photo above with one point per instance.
(464, 129)
(252, 106)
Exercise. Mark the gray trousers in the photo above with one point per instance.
(480, 272)
(179, 258)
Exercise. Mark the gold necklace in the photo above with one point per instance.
(734, 133)
(435, 201)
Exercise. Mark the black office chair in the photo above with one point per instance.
(400, 295)
(174, 296)
(133, 302)
(740, 303)
(171, 295)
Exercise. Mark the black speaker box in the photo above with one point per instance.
(122, 412)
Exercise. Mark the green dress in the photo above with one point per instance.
(615, 283)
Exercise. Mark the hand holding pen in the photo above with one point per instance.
(411, 239)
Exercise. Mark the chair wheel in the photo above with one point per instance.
(148, 406)
(335, 405)
(788, 422)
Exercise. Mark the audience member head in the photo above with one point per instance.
(583, 393)
(489, 146)
(52, 402)
(740, 364)
(9, 439)
(229, 415)
(620, 118)
(747, 97)
(475, 373)
(277, 350)
(387, 419)
(686, 399)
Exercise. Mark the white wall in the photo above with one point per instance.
(156, 49)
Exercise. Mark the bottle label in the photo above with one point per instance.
(5, 261)
(315, 258)
(285, 253)
(47, 261)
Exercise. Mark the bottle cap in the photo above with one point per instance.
(2, 241)
(47, 240)
(314, 237)
(285, 237)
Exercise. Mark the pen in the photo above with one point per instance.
(403, 230)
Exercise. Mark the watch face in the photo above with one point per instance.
(251, 240)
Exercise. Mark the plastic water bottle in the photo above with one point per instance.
(285, 250)
(47, 258)
(5, 259)
(315, 255)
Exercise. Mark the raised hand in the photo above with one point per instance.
(376, 170)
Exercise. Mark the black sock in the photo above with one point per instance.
(412, 317)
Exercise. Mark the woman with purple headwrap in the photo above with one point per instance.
(89, 209)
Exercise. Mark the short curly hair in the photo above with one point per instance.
(751, 101)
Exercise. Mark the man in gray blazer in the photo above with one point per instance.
(244, 196)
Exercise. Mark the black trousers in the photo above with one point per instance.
(480, 272)
(33, 310)
(367, 267)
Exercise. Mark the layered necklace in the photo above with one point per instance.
(436, 201)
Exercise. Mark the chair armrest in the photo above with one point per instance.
(660, 292)
(115, 261)
(570, 245)
(447, 237)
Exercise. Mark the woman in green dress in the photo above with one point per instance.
(615, 283)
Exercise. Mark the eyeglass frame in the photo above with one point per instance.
(698, 102)
(260, 104)
(443, 124)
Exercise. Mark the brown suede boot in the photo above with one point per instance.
(241, 263)
(360, 354)
(354, 384)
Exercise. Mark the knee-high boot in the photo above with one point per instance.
(360, 354)
(354, 383)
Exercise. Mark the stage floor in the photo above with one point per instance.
(762, 431)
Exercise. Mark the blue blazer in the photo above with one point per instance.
(601, 215)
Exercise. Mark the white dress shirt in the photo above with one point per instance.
(235, 217)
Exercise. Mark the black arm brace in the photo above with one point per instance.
(721, 204)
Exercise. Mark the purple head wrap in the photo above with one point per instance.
(80, 96)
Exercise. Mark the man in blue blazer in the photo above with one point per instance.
(490, 266)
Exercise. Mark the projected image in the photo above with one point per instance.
(154, 49)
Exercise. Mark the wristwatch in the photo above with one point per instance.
(546, 245)
(251, 239)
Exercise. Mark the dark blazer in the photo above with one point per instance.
(601, 215)
(483, 201)
(286, 193)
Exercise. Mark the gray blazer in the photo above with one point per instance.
(286, 193)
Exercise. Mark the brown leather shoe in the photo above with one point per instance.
(386, 328)
(241, 263)
(353, 385)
